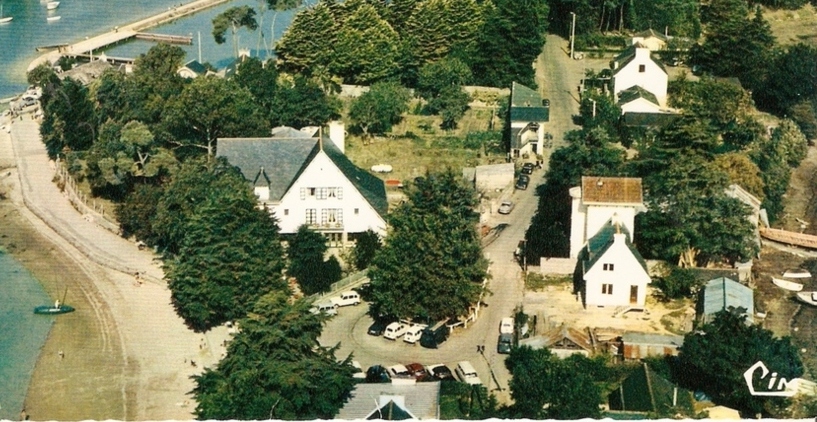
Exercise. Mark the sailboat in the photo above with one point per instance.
(4, 19)
(52, 5)
(53, 18)
(56, 309)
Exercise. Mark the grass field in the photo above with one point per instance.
(793, 26)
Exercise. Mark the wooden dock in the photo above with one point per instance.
(170, 39)
(107, 58)
(790, 238)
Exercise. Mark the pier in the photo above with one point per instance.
(170, 39)
(120, 34)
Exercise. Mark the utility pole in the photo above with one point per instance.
(572, 34)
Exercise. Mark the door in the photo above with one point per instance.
(633, 294)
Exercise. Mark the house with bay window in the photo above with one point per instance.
(304, 177)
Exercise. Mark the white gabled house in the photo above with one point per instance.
(653, 40)
(303, 178)
(635, 66)
(611, 271)
(527, 116)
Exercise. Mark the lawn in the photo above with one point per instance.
(793, 26)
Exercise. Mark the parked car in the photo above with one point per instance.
(377, 374)
(417, 371)
(467, 374)
(434, 335)
(326, 307)
(399, 371)
(522, 182)
(346, 299)
(413, 333)
(527, 168)
(378, 327)
(359, 374)
(395, 330)
(440, 372)
(506, 326)
(504, 343)
(505, 207)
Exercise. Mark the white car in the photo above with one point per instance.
(505, 207)
(399, 371)
(327, 308)
(359, 374)
(413, 333)
(506, 326)
(346, 299)
(395, 330)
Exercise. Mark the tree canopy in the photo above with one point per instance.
(306, 263)
(275, 368)
(379, 108)
(431, 264)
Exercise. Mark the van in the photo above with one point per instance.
(346, 299)
(414, 333)
(504, 343)
(395, 330)
(467, 374)
(327, 308)
(506, 326)
(433, 336)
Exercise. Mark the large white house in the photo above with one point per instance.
(527, 117)
(612, 272)
(303, 177)
(635, 66)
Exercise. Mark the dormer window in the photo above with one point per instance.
(642, 68)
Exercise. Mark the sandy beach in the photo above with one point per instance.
(126, 355)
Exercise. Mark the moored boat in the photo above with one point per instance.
(809, 298)
(52, 5)
(797, 273)
(4, 19)
(51, 310)
(786, 284)
(53, 18)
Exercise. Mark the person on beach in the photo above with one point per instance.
(57, 304)
(62, 354)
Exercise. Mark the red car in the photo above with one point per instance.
(417, 371)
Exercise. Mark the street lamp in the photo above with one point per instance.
(572, 34)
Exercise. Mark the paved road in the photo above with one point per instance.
(558, 77)
(43, 197)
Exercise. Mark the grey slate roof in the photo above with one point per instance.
(635, 92)
(652, 338)
(647, 33)
(646, 391)
(650, 119)
(421, 399)
(196, 67)
(601, 242)
(526, 105)
(724, 293)
(283, 157)
(628, 55)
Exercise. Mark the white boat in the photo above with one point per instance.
(797, 273)
(786, 284)
(52, 5)
(53, 18)
(809, 298)
(4, 19)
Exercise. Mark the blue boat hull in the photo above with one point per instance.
(51, 310)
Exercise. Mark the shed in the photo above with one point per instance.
(723, 293)
(493, 176)
(641, 345)
(646, 391)
(562, 341)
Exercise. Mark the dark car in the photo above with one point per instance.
(379, 325)
(527, 168)
(522, 182)
(504, 343)
(434, 335)
(377, 374)
(440, 372)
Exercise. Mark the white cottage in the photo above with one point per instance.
(635, 66)
(653, 40)
(527, 117)
(303, 178)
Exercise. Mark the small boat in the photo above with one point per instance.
(797, 273)
(51, 310)
(52, 5)
(4, 19)
(53, 18)
(45, 48)
(786, 284)
(809, 298)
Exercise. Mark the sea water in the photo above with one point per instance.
(86, 18)
(22, 333)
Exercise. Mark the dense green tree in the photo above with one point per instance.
(261, 79)
(546, 387)
(69, 122)
(210, 108)
(368, 243)
(432, 263)
(775, 157)
(135, 213)
(302, 103)
(677, 282)
(230, 256)
(366, 48)
(155, 80)
(600, 110)
(309, 40)
(306, 251)
(780, 93)
(678, 17)
(436, 76)
(275, 368)
(44, 77)
(510, 40)
(451, 104)
(382, 106)
(804, 115)
(437, 28)
(740, 170)
(232, 19)
(715, 356)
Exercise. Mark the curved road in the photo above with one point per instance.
(557, 77)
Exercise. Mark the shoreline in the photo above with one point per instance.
(102, 40)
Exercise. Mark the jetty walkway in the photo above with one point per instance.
(126, 32)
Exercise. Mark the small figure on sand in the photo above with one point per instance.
(62, 354)
(138, 278)
(57, 304)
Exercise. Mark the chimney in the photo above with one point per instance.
(337, 133)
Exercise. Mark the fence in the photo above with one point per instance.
(352, 280)
(91, 210)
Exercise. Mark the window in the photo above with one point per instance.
(286, 211)
(322, 193)
(331, 216)
(333, 192)
(608, 267)
(606, 289)
(311, 216)
(311, 191)
(642, 68)
(307, 192)
(357, 211)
